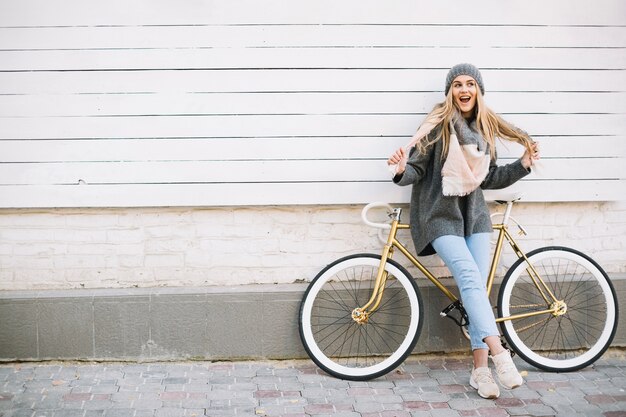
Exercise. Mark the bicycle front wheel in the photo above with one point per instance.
(360, 351)
(586, 323)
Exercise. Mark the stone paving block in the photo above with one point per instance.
(97, 405)
(151, 387)
(450, 413)
(435, 396)
(49, 403)
(104, 389)
(368, 407)
(194, 412)
(169, 412)
(289, 386)
(150, 396)
(420, 414)
(120, 412)
(226, 411)
(66, 413)
(540, 410)
(21, 412)
(144, 413)
(322, 395)
(147, 404)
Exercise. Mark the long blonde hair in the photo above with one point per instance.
(489, 124)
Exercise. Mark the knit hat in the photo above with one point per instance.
(464, 69)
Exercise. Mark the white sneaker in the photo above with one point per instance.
(508, 376)
(482, 380)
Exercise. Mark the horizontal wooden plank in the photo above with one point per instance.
(348, 170)
(577, 169)
(224, 149)
(570, 147)
(302, 80)
(196, 149)
(197, 194)
(304, 148)
(256, 58)
(148, 195)
(294, 103)
(167, 172)
(147, 12)
(568, 124)
(563, 191)
(272, 148)
(281, 125)
(290, 35)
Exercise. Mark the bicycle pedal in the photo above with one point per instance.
(462, 320)
(445, 311)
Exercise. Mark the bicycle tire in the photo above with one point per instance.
(342, 347)
(567, 342)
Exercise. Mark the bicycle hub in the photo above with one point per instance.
(360, 316)
(560, 308)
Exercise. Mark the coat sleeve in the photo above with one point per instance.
(503, 176)
(415, 168)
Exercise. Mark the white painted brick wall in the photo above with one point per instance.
(115, 248)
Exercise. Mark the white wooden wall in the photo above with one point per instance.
(194, 103)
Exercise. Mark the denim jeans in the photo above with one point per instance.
(468, 259)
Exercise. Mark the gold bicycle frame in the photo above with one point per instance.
(361, 314)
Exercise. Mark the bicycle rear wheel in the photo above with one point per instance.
(341, 346)
(574, 339)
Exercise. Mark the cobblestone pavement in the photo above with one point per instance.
(423, 386)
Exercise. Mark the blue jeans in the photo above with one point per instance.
(468, 259)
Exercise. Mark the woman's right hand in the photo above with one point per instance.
(399, 158)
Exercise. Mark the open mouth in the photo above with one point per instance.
(465, 99)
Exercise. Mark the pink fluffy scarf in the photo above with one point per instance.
(467, 161)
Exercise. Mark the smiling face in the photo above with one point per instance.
(464, 91)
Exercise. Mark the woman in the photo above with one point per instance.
(451, 159)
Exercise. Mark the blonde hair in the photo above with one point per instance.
(489, 124)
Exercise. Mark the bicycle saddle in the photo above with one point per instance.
(502, 196)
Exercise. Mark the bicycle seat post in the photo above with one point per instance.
(507, 212)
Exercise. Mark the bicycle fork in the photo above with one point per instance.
(361, 314)
(555, 306)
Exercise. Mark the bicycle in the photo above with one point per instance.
(362, 315)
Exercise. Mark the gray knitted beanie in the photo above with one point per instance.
(464, 69)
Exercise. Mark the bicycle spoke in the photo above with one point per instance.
(585, 323)
(584, 328)
(340, 346)
(336, 300)
(338, 329)
(374, 341)
(352, 295)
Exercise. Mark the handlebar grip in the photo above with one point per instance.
(375, 205)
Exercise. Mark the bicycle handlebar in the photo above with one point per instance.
(376, 205)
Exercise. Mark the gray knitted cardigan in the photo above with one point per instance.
(433, 214)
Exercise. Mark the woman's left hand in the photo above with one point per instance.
(530, 156)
